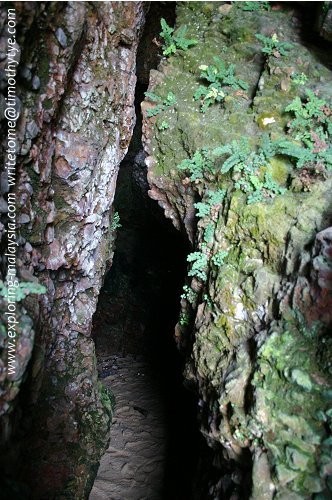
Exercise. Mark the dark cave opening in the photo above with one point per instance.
(139, 306)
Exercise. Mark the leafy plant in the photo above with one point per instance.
(305, 156)
(199, 262)
(189, 294)
(184, 319)
(115, 224)
(170, 100)
(174, 41)
(163, 125)
(218, 258)
(312, 126)
(250, 168)
(255, 6)
(218, 76)
(238, 154)
(272, 46)
(208, 300)
(299, 78)
(22, 290)
(198, 164)
(311, 122)
(209, 233)
(214, 199)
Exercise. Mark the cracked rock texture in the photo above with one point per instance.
(257, 344)
(76, 84)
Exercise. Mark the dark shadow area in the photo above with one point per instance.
(140, 300)
(310, 16)
(139, 307)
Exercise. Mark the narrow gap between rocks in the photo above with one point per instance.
(136, 353)
(155, 440)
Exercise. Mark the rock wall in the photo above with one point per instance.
(76, 84)
(256, 313)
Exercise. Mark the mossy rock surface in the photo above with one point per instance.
(258, 351)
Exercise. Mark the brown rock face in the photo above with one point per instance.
(76, 84)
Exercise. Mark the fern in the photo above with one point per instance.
(189, 294)
(218, 258)
(209, 233)
(218, 76)
(198, 165)
(199, 266)
(304, 156)
(163, 125)
(312, 120)
(238, 153)
(169, 101)
(153, 97)
(251, 168)
(272, 46)
(181, 41)
(172, 41)
(169, 46)
(203, 209)
(115, 224)
(299, 78)
(255, 6)
(215, 198)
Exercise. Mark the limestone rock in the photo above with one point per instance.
(258, 353)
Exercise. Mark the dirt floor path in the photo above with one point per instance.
(134, 464)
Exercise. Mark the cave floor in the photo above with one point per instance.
(133, 466)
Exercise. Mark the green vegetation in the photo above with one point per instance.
(189, 295)
(299, 78)
(199, 266)
(22, 290)
(218, 76)
(311, 127)
(184, 319)
(306, 157)
(170, 100)
(219, 258)
(163, 125)
(200, 164)
(312, 121)
(115, 224)
(209, 233)
(254, 6)
(252, 169)
(214, 200)
(174, 41)
(107, 398)
(272, 46)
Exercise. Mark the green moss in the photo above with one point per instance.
(280, 170)
(292, 399)
(285, 385)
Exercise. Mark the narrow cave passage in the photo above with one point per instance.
(154, 436)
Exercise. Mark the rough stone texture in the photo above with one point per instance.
(257, 341)
(77, 91)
